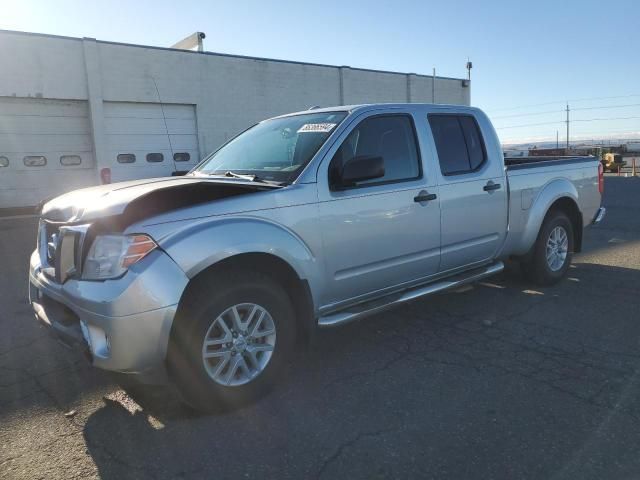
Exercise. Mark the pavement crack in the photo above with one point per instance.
(22, 345)
(346, 444)
(33, 376)
(402, 354)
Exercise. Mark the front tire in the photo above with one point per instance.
(552, 253)
(231, 341)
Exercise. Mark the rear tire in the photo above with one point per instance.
(552, 253)
(231, 341)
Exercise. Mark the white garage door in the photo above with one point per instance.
(45, 149)
(149, 140)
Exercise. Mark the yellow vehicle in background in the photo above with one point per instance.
(612, 161)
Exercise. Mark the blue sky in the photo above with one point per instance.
(524, 53)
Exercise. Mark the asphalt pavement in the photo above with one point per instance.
(501, 379)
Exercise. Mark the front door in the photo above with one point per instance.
(384, 232)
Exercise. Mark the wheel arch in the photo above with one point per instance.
(297, 288)
(557, 195)
(570, 208)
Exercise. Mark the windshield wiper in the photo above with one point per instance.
(251, 178)
(229, 173)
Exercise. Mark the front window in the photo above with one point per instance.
(274, 150)
(391, 137)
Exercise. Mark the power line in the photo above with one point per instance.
(600, 119)
(596, 133)
(527, 114)
(617, 136)
(567, 121)
(608, 133)
(530, 125)
(601, 107)
(564, 121)
(559, 102)
(526, 106)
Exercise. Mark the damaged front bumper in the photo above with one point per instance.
(121, 325)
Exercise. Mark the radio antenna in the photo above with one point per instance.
(166, 128)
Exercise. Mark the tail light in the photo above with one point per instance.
(600, 178)
(105, 175)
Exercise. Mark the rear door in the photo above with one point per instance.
(473, 198)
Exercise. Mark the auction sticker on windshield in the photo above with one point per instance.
(316, 127)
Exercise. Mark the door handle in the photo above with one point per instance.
(424, 197)
(490, 186)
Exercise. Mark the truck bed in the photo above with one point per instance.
(532, 178)
(517, 163)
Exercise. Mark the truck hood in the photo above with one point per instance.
(138, 199)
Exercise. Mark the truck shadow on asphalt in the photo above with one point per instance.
(501, 333)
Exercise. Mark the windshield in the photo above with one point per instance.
(275, 150)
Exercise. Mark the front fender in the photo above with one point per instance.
(550, 193)
(209, 241)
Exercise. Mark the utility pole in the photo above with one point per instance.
(567, 128)
(557, 140)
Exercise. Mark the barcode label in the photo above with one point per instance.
(316, 127)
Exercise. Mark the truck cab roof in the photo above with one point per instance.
(365, 107)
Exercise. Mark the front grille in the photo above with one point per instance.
(60, 248)
(47, 237)
(52, 231)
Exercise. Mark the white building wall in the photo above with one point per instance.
(448, 91)
(229, 93)
(364, 86)
(240, 92)
(40, 66)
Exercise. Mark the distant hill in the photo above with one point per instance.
(578, 143)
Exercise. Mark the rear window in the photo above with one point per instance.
(458, 143)
(473, 141)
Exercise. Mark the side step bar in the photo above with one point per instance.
(375, 306)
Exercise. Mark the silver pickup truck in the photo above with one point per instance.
(306, 220)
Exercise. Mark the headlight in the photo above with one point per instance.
(111, 255)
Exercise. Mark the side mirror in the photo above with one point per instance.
(361, 168)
